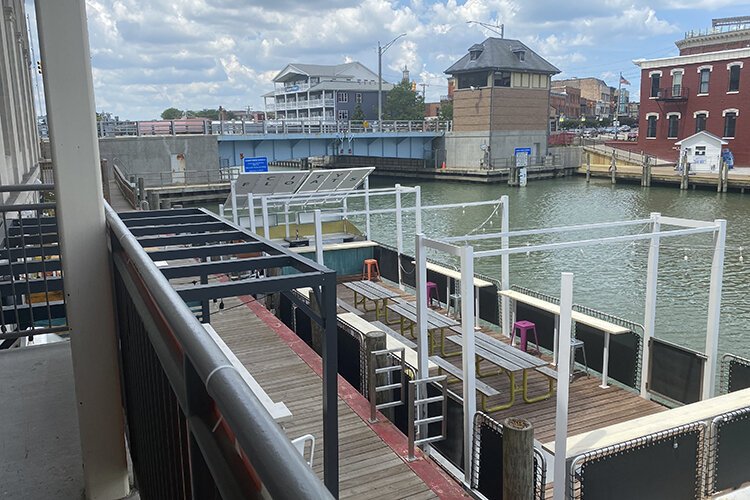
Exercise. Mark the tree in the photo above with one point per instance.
(403, 103)
(358, 114)
(445, 112)
(171, 114)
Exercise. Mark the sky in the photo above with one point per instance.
(192, 54)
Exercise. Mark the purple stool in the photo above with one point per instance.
(523, 327)
(432, 293)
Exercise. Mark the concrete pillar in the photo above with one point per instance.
(7, 74)
(64, 46)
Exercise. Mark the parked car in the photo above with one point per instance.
(633, 135)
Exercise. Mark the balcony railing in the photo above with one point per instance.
(195, 428)
(673, 93)
(31, 282)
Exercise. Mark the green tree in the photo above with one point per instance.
(403, 103)
(446, 111)
(358, 114)
(171, 114)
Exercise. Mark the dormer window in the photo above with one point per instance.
(520, 54)
(475, 51)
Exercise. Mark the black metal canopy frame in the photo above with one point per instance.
(203, 239)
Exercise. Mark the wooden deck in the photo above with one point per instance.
(369, 468)
(591, 407)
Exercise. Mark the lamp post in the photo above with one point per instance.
(381, 51)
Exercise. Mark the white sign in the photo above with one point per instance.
(522, 176)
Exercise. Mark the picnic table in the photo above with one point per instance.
(436, 322)
(368, 290)
(511, 361)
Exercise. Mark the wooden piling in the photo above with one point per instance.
(518, 459)
(613, 168)
(588, 167)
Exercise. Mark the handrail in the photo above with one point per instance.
(127, 189)
(279, 466)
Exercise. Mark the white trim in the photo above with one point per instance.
(677, 70)
(701, 95)
(730, 92)
(701, 112)
(722, 55)
(709, 67)
(655, 72)
(649, 115)
(735, 63)
(731, 110)
(674, 113)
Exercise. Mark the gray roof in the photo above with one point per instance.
(499, 54)
(352, 69)
(337, 85)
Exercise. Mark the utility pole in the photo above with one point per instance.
(424, 90)
(381, 51)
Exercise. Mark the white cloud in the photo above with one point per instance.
(148, 55)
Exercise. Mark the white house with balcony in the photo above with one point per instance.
(324, 92)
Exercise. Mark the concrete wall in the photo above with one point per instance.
(19, 144)
(465, 149)
(137, 155)
(570, 156)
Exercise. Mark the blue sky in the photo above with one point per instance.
(150, 55)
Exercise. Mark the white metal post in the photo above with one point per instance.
(423, 349)
(563, 386)
(318, 237)
(221, 210)
(399, 235)
(418, 207)
(235, 213)
(468, 351)
(505, 267)
(266, 224)
(649, 320)
(286, 219)
(251, 212)
(714, 310)
(69, 93)
(367, 208)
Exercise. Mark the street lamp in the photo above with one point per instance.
(381, 51)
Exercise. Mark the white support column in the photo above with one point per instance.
(505, 267)
(399, 234)
(468, 351)
(563, 386)
(714, 310)
(286, 219)
(64, 44)
(235, 212)
(318, 237)
(266, 223)
(367, 203)
(649, 320)
(251, 212)
(418, 209)
(423, 349)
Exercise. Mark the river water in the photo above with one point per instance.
(611, 277)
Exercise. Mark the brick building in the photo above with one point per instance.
(701, 89)
(594, 90)
(566, 101)
(500, 102)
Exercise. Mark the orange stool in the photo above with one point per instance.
(368, 266)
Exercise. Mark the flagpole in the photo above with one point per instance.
(617, 107)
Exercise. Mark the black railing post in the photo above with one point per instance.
(330, 385)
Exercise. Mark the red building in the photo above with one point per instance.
(703, 89)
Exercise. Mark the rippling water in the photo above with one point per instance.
(610, 277)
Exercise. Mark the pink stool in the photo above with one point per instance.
(432, 293)
(523, 327)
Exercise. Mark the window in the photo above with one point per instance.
(705, 75)
(734, 78)
(700, 122)
(730, 124)
(700, 150)
(476, 80)
(651, 127)
(358, 98)
(502, 79)
(343, 97)
(674, 125)
(655, 82)
(677, 84)
(343, 114)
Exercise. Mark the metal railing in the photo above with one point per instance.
(374, 389)
(31, 282)
(424, 419)
(185, 177)
(735, 373)
(128, 189)
(195, 427)
(673, 93)
(303, 125)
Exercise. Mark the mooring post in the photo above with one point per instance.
(518, 459)
(588, 167)
(613, 168)
(141, 189)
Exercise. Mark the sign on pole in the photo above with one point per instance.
(522, 161)
(256, 164)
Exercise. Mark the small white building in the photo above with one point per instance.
(701, 151)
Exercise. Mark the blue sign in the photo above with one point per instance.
(728, 157)
(518, 151)
(256, 164)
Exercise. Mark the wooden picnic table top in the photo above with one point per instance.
(503, 355)
(374, 290)
(578, 317)
(434, 319)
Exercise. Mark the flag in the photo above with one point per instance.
(623, 81)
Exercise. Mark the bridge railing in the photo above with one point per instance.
(285, 126)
